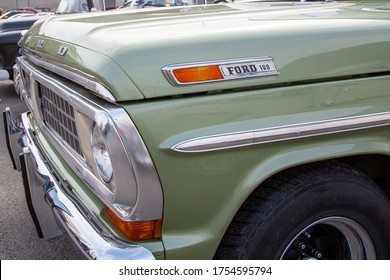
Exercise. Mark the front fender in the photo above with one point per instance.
(203, 190)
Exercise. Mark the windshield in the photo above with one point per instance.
(79, 6)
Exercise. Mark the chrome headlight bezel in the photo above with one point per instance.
(121, 190)
(101, 154)
(134, 184)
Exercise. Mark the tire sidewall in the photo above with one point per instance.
(350, 198)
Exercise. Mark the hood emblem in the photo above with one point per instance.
(220, 70)
(62, 50)
(28, 40)
(40, 44)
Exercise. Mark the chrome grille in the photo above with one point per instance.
(25, 79)
(58, 115)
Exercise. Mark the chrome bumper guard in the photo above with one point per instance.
(52, 206)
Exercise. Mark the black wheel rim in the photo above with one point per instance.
(335, 238)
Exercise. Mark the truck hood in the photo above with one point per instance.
(126, 50)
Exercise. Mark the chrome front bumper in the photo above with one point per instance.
(53, 207)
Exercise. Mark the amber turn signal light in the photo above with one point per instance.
(141, 230)
(198, 74)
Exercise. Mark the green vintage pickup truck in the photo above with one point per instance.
(247, 130)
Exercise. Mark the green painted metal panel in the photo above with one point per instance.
(127, 49)
(203, 191)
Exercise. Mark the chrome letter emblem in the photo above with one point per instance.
(224, 70)
(260, 67)
(62, 50)
(28, 40)
(40, 44)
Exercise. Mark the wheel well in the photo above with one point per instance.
(293, 195)
(374, 166)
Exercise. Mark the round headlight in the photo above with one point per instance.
(101, 155)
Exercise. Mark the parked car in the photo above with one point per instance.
(155, 3)
(248, 130)
(12, 13)
(30, 9)
(165, 3)
(22, 15)
(10, 34)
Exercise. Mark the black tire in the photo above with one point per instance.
(325, 210)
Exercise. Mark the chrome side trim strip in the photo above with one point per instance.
(281, 133)
(87, 82)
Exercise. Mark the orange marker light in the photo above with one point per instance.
(136, 230)
(198, 74)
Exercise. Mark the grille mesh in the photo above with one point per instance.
(58, 114)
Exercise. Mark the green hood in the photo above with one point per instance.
(127, 49)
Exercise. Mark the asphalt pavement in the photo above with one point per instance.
(18, 237)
